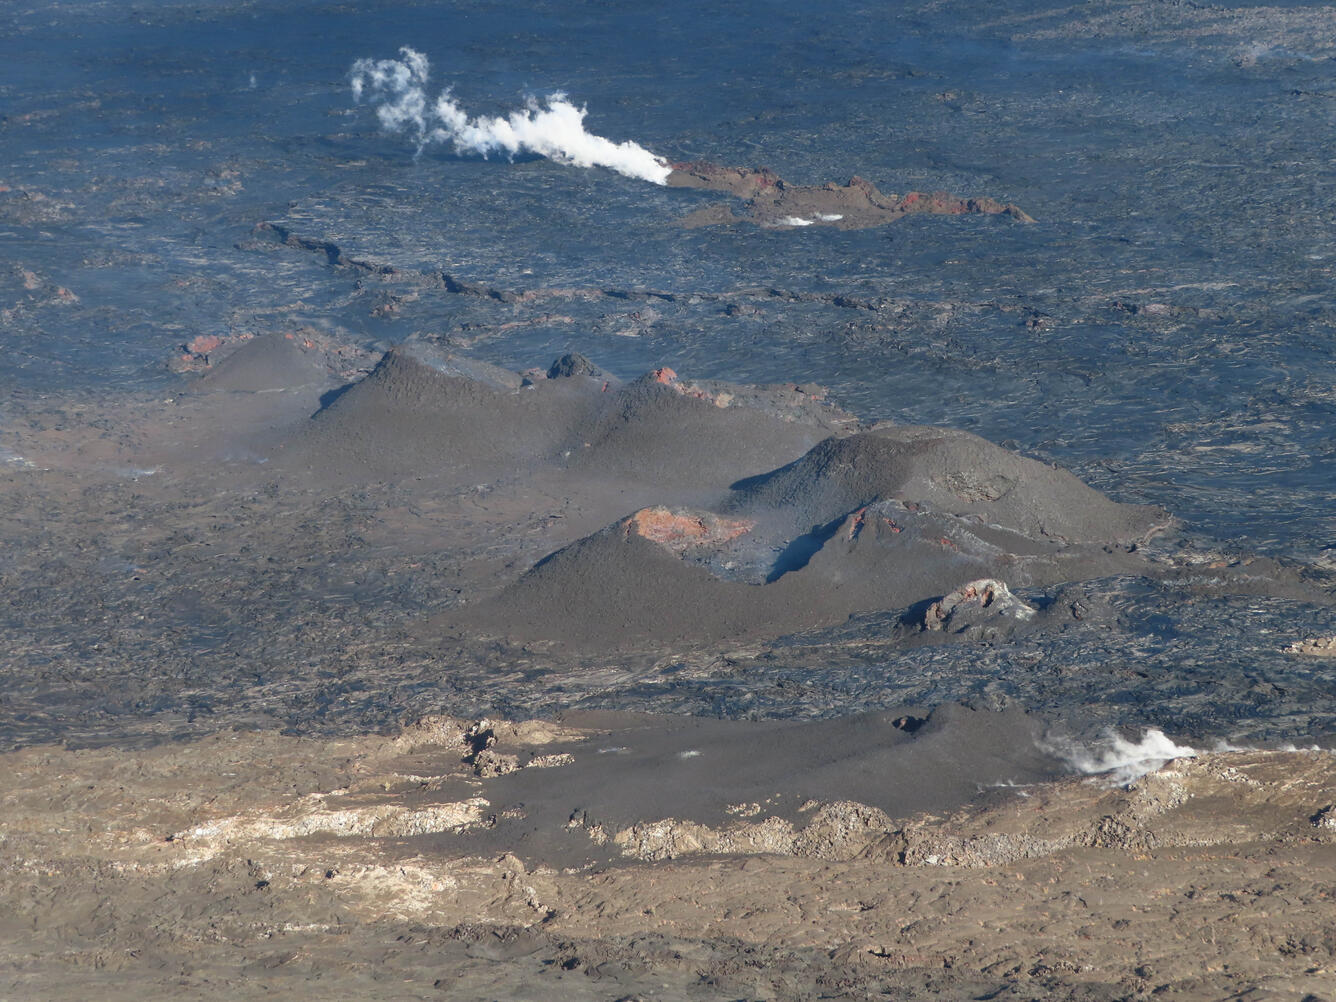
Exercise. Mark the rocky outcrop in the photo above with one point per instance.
(1203, 879)
(680, 530)
(1314, 647)
(768, 200)
(962, 609)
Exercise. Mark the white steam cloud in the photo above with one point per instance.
(1118, 760)
(553, 128)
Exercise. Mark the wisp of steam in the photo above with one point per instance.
(1118, 760)
(553, 128)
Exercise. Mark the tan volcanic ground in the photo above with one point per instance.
(248, 864)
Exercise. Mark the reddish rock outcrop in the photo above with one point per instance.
(770, 201)
(986, 595)
(678, 530)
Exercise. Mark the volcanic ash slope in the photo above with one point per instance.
(870, 520)
(426, 412)
(757, 511)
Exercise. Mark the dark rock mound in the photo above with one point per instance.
(629, 583)
(573, 364)
(945, 471)
(641, 769)
(661, 429)
(874, 521)
(268, 363)
(424, 412)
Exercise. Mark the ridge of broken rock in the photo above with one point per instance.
(769, 200)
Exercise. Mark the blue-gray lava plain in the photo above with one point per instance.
(957, 417)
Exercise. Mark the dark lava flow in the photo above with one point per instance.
(181, 180)
(443, 535)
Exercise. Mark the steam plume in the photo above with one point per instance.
(1119, 760)
(553, 128)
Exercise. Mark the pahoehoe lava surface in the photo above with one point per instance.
(446, 534)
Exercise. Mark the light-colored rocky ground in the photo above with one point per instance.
(250, 863)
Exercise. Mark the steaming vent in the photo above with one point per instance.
(552, 127)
